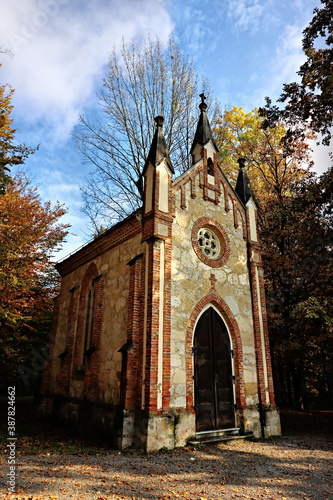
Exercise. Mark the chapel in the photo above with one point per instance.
(159, 334)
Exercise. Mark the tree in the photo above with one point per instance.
(29, 234)
(311, 101)
(295, 216)
(140, 84)
(297, 246)
(272, 163)
(10, 154)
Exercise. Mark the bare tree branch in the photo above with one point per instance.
(140, 84)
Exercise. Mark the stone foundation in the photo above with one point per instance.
(272, 423)
(123, 429)
(153, 432)
(248, 419)
(134, 429)
(251, 420)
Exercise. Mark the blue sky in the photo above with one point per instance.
(246, 49)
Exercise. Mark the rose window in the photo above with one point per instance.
(209, 243)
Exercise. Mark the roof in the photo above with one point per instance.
(115, 235)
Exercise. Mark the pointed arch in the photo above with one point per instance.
(225, 311)
(90, 274)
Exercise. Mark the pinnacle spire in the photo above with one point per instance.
(159, 149)
(203, 133)
(243, 186)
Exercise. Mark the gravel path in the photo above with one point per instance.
(292, 467)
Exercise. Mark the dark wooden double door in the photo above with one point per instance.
(213, 382)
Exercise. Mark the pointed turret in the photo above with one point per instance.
(243, 185)
(158, 150)
(203, 134)
(157, 173)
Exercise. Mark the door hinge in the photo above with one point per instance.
(232, 353)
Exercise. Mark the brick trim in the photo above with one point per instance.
(151, 368)
(167, 324)
(63, 381)
(223, 235)
(255, 262)
(93, 361)
(90, 273)
(130, 384)
(115, 236)
(225, 311)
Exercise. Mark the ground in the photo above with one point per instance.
(53, 464)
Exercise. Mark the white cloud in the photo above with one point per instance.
(285, 62)
(246, 14)
(61, 46)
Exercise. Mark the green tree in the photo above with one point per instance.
(310, 102)
(10, 154)
(140, 84)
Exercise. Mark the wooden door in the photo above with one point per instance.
(213, 384)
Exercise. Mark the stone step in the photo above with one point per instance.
(219, 439)
(218, 433)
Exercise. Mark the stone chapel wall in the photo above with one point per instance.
(112, 265)
(192, 281)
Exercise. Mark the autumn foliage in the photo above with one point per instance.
(10, 154)
(295, 216)
(30, 232)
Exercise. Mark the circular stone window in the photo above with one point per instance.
(210, 242)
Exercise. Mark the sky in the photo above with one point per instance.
(246, 49)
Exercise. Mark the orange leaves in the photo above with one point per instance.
(29, 232)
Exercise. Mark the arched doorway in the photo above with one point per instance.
(213, 381)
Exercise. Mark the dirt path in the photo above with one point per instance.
(292, 467)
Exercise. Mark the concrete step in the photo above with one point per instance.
(219, 439)
(218, 433)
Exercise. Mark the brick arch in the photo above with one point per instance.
(225, 311)
(223, 236)
(91, 272)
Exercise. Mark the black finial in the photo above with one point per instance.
(241, 162)
(159, 120)
(202, 105)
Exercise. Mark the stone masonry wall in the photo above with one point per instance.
(113, 266)
(192, 279)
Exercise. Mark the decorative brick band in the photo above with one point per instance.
(63, 380)
(224, 241)
(225, 311)
(115, 236)
(130, 386)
